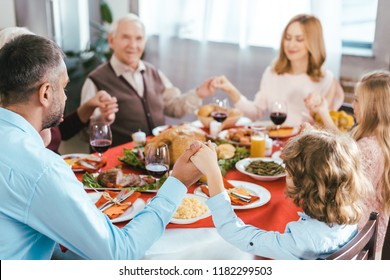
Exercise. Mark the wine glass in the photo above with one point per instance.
(278, 116)
(157, 160)
(100, 137)
(221, 109)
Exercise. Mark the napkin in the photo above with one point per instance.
(117, 210)
(234, 200)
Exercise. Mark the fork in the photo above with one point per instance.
(244, 198)
(118, 197)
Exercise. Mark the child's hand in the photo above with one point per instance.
(206, 160)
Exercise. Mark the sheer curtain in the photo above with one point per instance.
(191, 40)
(245, 22)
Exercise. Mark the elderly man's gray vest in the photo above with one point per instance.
(134, 112)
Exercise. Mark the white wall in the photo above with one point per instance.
(7, 14)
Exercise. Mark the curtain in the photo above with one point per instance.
(194, 39)
(242, 22)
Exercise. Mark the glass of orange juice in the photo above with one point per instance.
(258, 146)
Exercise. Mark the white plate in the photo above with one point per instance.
(193, 220)
(276, 156)
(156, 131)
(76, 157)
(254, 189)
(240, 166)
(130, 212)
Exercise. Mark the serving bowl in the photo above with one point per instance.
(242, 164)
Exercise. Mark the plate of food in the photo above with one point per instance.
(114, 179)
(283, 132)
(257, 194)
(237, 136)
(192, 209)
(262, 169)
(129, 213)
(84, 162)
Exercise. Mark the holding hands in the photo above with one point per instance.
(225, 85)
(184, 170)
(206, 89)
(106, 103)
(207, 162)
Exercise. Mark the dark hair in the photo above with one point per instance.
(26, 62)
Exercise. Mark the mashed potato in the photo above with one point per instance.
(189, 208)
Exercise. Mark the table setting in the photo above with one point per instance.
(258, 200)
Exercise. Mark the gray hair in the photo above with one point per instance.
(128, 17)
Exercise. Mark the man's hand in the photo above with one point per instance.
(206, 89)
(184, 170)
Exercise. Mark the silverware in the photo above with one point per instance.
(242, 197)
(118, 200)
(119, 196)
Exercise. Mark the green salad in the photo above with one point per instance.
(134, 157)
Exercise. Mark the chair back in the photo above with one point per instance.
(386, 244)
(362, 246)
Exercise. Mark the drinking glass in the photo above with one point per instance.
(100, 137)
(221, 109)
(278, 116)
(157, 160)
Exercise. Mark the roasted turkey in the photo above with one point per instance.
(179, 139)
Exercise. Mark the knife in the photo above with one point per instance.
(119, 200)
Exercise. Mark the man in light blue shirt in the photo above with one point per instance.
(41, 201)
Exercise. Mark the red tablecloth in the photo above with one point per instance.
(272, 216)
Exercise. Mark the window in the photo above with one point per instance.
(358, 26)
(260, 22)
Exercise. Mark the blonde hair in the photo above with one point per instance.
(314, 41)
(329, 182)
(373, 91)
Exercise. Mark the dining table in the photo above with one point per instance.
(200, 240)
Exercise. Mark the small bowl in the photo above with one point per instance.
(242, 164)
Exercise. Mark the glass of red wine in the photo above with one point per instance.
(278, 115)
(221, 109)
(100, 137)
(157, 160)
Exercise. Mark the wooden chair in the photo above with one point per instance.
(362, 246)
(386, 244)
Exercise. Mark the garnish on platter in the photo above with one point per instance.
(228, 155)
(134, 157)
(238, 195)
(115, 179)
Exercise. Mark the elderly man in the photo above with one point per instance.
(145, 95)
(41, 201)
